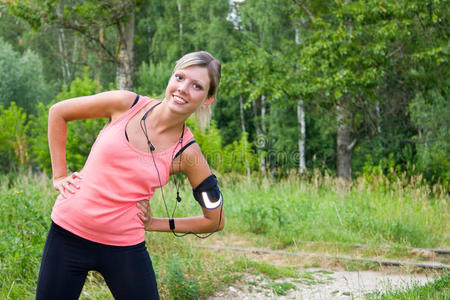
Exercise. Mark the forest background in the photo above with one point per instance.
(311, 92)
(343, 87)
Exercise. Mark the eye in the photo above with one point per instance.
(178, 77)
(198, 87)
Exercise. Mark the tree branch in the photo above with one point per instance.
(399, 48)
(305, 8)
(352, 145)
(92, 39)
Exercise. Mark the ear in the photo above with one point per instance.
(209, 100)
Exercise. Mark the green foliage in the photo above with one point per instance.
(152, 78)
(430, 114)
(80, 135)
(253, 73)
(271, 271)
(281, 289)
(236, 157)
(210, 141)
(10, 73)
(385, 167)
(21, 78)
(239, 156)
(14, 149)
(179, 27)
(179, 285)
(23, 228)
(399, 212)
(386, 61)
(35, 90)
(40, 154)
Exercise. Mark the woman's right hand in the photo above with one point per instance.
(67, 184)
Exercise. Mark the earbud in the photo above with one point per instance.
(152, 148)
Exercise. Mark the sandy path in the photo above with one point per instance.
(329, 280)
(320, 284)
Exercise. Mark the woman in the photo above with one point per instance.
(101, 214)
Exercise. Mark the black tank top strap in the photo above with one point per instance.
(183, 148)
(134, 103)
(135, 100)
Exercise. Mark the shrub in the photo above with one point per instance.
(13, 138)
(81, 134)
(178, 284)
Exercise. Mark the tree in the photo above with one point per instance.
(348, 52)
(95, 22)
(424, 68)
(21, 78)
(251, 78)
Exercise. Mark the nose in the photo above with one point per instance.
(182, 87)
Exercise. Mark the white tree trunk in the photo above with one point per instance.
(241, 112)
(259, 139)
(263, 114)
(125, 57)
(76, 43)
(301, 123)
(63, 50)
(378, 110)
(301, 135)
(263, 132)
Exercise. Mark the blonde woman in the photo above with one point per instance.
(101, 214)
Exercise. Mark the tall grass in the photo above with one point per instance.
(278, 213)
(323, 208)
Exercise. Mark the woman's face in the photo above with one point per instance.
(188, 89)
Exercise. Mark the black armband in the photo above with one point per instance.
(172, 224)
(207, 193)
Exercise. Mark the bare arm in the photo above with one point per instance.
(108, 104)
(196, 168)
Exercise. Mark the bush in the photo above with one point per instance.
(21, 79)
(13, 138)
(178, 284)
(152, 78)
(237, 157)
(81, 134)
(429, 111)
(24, 221)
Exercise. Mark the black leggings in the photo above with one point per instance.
(67, 258)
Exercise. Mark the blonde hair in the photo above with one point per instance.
(203, 59)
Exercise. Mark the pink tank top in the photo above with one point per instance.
(115, 177)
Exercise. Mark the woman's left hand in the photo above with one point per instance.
(145, 216)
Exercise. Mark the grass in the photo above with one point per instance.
(279, 214)
(273, 272)
(294, 210)
(282, 288)
(438, 289)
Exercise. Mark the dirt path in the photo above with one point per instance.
(327, 280)
(319, 284)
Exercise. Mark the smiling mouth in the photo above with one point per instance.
(179, 99)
